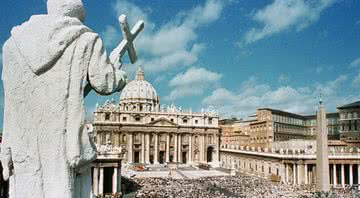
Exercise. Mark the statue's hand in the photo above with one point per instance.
(74, 163)
(121, 77)
(7, 172)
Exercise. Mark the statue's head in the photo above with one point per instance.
(70, 8)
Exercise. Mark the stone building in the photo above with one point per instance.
(234, 131)
(293, 165)
(332, 125)
(272, 125)
(150, 133)
(292, 160)
(350, 122)
(275, 125)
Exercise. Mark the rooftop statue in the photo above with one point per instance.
(50, 63)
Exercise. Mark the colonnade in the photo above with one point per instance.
(306, 174)
(294, 172)
(99, 178)
(195, 148)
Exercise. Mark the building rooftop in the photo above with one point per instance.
(228, 121)
(328, 115)
(351, 105)
(280, 112)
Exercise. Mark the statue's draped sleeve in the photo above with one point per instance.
(103, 77)
(6, 158)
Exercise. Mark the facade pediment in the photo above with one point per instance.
(162, 122)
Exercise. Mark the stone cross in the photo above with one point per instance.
(127, 43)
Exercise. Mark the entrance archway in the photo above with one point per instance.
(210, 152)
(137, 157)
(161, 157)
(184, 157)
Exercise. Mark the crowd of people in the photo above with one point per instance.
(224, 186)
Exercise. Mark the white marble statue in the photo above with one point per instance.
(47, 64)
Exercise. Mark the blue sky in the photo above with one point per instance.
(236, 55)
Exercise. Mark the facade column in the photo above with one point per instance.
(298, 168)
(101, 183)
(294, 174)
(179, 149)
(282, 173)
(96, 181)
(156, 149)
(142, 148)
(190, 149)
(147, 149)
(334, 175)
(306, 174)
(114, 180)
(175, 147)
(351, 182)
(130, 148)
(287, 173)
(202, 148)
(314, 173)
(343, 175)
(167, 148)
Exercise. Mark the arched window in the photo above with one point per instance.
(123, 139)
(107, 116)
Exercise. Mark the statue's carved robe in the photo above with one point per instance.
(47, 62)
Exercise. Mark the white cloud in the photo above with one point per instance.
(192, 82)
(355, 63)
(174, 44)
(111, 36)
(134, 13)
(356, 81)
(282, 15)
(254, 95)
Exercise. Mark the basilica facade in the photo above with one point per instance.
(147, 132)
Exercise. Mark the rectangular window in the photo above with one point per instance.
(124, 119)
(196, 121)
(152, 119)
(137, 119)
(210, 120)
(184, 121)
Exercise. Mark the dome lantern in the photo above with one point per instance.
(139, 74)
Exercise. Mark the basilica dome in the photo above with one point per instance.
(139, 94)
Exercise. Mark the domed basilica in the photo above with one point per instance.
(141, 131)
